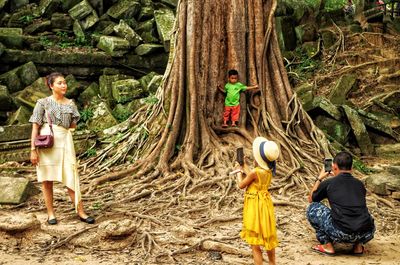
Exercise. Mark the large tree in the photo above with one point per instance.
(178, 145)
(182, 130)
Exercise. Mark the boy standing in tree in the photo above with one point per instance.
(232, 99)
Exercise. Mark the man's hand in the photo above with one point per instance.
(323, 174)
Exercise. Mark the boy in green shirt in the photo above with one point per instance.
(232, 99)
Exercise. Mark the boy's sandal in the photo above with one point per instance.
(234, 125)
(224, 125)
(320, 249)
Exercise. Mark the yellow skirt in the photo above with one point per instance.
(58, 163)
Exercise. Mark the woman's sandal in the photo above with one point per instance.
(88, 220)
(52, 221)
(320, 249)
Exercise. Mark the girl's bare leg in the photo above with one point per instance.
(81, 211)
(271, 257)
(257, 255)
(48, 198)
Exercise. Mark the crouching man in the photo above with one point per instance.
(348, 219)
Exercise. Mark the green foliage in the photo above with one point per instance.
(90, 152)
(334, 4)
(45, 42)
(151, 99)
(27, 19)
(97, 206)
(360, 166)
(303, 66)
(122, 115)
(86, 114)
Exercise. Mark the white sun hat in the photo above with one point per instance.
(265, 151)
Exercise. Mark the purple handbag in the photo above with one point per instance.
(45, 141)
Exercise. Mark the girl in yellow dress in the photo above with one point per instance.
(259, 227)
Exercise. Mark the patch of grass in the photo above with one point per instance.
(360, 166)
(45, 42)
(90, 152)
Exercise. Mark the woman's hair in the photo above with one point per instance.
(52, 77)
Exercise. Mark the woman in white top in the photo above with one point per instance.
(57, 163)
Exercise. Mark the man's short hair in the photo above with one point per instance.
(232, 72)
(343, 160)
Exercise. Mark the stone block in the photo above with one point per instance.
(78, 31)
(105, 87)
(145, 80)
(165, 20)
(124, 91)
(12, 37)
(325, 105)
(286, 33)
(154, 84)
(15, 132)
(383, 183)
(148, 31)
(32, 93)
(147, 11)
(18, 222)
(146, 49)
(14, 190)
(172, 3)
(124, 9)
(38, 27)
(92, 91)
(6, 101)
(21, 116)
(27, 73)
(305, 93)
(11, 80)
(102, 118)
(345, 84)
(47, 8)
(306, 32)
(81, 10)
(123, 30)
(74, 87)
(376, 123)
(388, 150)
(61, 21)
(359, 130)
(114, 46)
(89, 21)
(335, 129)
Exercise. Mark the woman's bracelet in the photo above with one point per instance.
(33, 148)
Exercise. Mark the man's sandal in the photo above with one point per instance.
(320, 249)
(358, 253)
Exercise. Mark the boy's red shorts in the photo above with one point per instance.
(232, 112)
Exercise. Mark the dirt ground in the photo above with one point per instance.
(295, 235)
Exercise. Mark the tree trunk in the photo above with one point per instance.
(184, 128)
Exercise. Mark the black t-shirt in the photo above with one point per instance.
(346, 196)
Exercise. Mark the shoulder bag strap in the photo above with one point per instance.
(49, 121)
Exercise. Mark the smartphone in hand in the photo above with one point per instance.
(240, 156)
(328, 164)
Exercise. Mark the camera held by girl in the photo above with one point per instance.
(259, 225)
